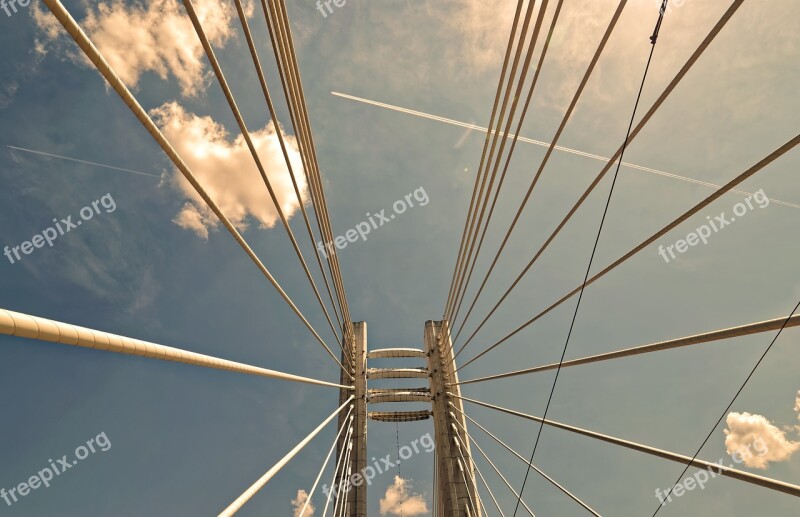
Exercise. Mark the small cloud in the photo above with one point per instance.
(190, 218)
(745, 429)
(398, 500)
(299, 502)
(797, 405)
(227, 171)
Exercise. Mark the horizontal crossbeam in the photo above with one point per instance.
(377, 396)
(397, 373)
(396, 352)
(399, 416)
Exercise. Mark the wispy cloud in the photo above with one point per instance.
(484, 27)
(23, 72)
(797, 405)
(145, 292)
(8, 88)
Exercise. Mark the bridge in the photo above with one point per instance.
(366, 392)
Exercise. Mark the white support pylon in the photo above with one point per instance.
(457, 490)
(355, 489)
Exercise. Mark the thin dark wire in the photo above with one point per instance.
(653, 40)
(725, 412)
(565, 119)
(397, 432)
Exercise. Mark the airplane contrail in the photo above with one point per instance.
(546, 144)
(83, 161)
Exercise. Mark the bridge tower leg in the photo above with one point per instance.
(355, 503)
(457, 491)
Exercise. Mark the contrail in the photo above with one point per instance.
(83, 161)
(546, 144)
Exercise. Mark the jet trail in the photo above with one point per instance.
(546, 144)
(83, 161)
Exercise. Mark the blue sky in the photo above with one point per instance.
(187, 440)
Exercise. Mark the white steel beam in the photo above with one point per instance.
(42, 329)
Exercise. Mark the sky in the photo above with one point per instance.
(153, 264)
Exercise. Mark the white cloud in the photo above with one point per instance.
(299, 501)
(398, 500)
(745, 429)
(227, 171)
(157, 37)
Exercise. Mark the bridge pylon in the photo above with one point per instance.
(455, 488)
